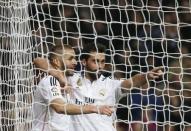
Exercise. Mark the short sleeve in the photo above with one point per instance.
(116, 84)
(50, 89)
(75, 79)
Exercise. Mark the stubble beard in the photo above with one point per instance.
(94, 74)
(67, 72)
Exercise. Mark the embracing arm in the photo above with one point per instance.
(71, 109)
(44, 65)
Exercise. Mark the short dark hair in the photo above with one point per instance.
(91, 47)
(57, 51)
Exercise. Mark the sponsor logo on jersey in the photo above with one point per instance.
(78, 102)
(87, 100)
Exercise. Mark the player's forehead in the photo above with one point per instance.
(97, 55)
(68, 52)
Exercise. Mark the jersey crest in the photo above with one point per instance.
(102, 92)
(79, 82)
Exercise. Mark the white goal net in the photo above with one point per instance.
(16, 75)
(138, 35)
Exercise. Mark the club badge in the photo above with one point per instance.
(79, 82)
(102, 92)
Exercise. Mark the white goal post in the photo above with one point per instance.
(138, 35)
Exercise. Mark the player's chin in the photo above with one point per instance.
(99, 73)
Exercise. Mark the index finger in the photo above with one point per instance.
(157, 68)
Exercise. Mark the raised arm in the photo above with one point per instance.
(141, 79)
(43, 64)
(71, 109)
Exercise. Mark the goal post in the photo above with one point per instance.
(138, 35)
(15, 66)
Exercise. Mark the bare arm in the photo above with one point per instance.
(71, 109)
(135, 81)
(141, 79)
(42, 63)
(45, 66)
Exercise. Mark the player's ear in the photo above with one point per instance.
(83, 61)
(56, 62)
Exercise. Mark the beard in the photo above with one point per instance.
(67, 72)
(94, 74)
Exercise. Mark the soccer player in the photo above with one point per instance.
(51, 111)
(94, 88)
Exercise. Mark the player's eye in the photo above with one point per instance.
(103, 61)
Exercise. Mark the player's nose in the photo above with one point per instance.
(74, 62)
(101, 66)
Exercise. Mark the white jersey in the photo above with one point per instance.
(46, 119)
(103, 91)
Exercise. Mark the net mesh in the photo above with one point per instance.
(15, 66)
(138, 34)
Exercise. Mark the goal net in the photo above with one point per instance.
(138, 35)
(16, 75)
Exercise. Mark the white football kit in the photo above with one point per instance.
(46, 119)
(104, 91)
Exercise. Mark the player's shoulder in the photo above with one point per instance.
(76, 76)
(48, 80)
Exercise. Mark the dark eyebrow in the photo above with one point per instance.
(100, 60)
(72, 57)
